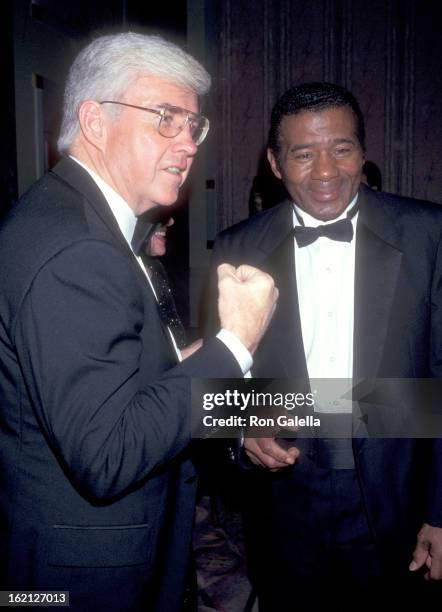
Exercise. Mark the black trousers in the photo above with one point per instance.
(322, 553)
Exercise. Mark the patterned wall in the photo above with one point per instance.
(389, 53)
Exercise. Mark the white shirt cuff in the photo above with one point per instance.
(241, 354)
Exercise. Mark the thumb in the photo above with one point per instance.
(420, 555)
(225, 270)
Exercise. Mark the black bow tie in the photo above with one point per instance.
(339, 230)
(342, 230)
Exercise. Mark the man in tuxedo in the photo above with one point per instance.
(360, 279)
(97, 485)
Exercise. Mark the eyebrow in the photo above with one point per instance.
(298, 147)
(154, 104)
(168, 104)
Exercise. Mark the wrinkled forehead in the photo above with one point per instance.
(148, 89)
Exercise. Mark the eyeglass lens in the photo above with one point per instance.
(173, 121)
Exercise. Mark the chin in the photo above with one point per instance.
(169, 199)
(324, 215)
(327, 213)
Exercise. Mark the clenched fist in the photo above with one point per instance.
(247, 300)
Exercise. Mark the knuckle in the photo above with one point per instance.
(269, 280)
(224, 283)
(273, 463)
(249, 444)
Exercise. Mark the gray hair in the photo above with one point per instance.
(110, 64)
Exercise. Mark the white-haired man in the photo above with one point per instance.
(96, 486)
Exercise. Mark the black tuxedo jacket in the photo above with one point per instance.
(397, 334)
(96, 487)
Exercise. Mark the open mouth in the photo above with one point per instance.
(175, 170)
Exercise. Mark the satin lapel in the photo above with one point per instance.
(377, 267)
(283, 352)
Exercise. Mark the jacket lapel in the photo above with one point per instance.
(80, 181)
(377, 267)
(282, 353)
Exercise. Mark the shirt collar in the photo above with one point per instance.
(310, 221)
(121, 210)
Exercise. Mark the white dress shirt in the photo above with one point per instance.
(325, 273)
(127, 220)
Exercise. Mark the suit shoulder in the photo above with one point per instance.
(255, 228)
(49, 205)
(417, 223)
(49, 219)
(406, 206)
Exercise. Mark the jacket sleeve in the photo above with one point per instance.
(77, 336)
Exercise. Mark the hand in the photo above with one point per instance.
(428, 552)
(247, 300)
(267, 453)
(188, 350)
(261, 443)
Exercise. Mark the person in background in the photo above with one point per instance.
(266, 190)
(371, 175)
(156, 246)
(158, 241)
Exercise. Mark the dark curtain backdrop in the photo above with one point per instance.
(388, 52)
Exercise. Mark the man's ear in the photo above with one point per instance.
(90, 117)
(273, 163)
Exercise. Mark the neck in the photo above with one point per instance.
(90, 157)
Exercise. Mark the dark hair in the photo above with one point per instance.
(373, 174)
(313, 97)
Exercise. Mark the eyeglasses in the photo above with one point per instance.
(173, 120)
